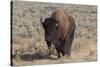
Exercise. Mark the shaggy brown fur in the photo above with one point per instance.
(63, 22)
(59, 30)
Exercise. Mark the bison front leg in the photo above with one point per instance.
(49, 47)
(57, 47)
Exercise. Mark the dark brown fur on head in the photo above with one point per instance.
(50, 26)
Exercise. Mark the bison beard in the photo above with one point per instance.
(59, 31)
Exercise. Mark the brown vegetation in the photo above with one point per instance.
(29, 46)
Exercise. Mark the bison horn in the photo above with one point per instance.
(41, 20)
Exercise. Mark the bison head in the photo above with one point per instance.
(50, 26)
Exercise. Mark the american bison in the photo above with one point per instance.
(59, 31)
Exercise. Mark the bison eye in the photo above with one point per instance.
(56, 26)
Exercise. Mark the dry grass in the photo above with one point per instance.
(29, 46)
